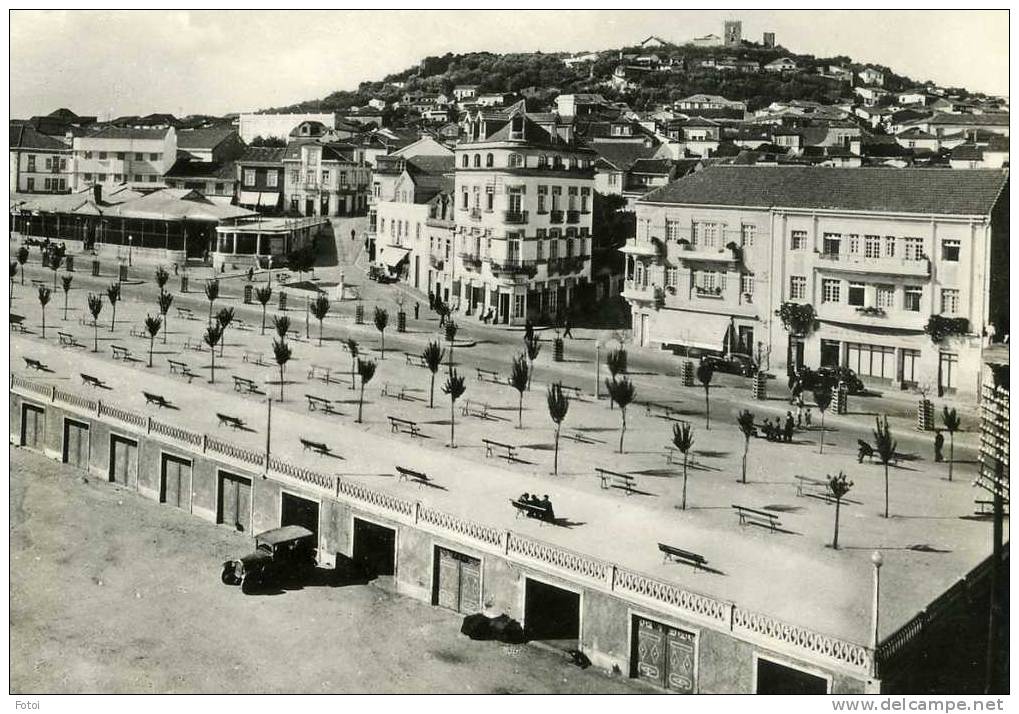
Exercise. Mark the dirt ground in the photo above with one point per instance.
(114, 593)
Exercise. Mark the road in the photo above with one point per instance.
(113, 593)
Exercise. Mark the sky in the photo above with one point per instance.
(189, 61)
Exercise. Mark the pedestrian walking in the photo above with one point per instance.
(528, 330)
(568, 327)
(431, 300)
(939, 444)
(417, 309)
(789, 426)
(808, 417)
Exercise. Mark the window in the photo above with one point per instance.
(949, 301)
(516, 161)
(541, 245)
(46, 185)
(797, 287)
(542, 199)
(102, 155)
(489, 161)
(30, 184)
(249, 177)
(118, 177)
(913, 249)
(465, 162)
(477, 161)
(271, 177)
(309, 177)
(746, 283)
(747, 234)
(101, 177)
(613, 179)
(49, 163)
(671, 277)
(152, 178)
(831, 290)
(220, 188)
(950, 250)
(489, 198)
(853, 244)
(911, 298)
(857, 295)
(799, 240)
(120, 155)
(542, 162)
(553, 247)
(518, 305)
(705, 234)
(88, 154)
(138, 178)
(31, 164)
(138, 156)
(832, 244)
(155, 157)
(325, 176)
(583, 202)
(569, 247)
(583, 247)
(463, 201)
(871, 360)
(885, 297)
(872, 246)
(557, 192)
(889, 246)
(88, 176)
(671, 230)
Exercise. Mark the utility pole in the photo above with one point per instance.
(268, 433)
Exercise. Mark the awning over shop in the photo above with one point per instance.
(632, 247)
(268, 199)
(707, 332)
(249, 198)
(392, 255)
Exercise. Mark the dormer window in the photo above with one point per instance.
(517, 127)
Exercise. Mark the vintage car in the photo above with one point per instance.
(280, 554)
(732, 363)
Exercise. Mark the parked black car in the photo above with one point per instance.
(280, 554)
(732, 364)
(811, 379)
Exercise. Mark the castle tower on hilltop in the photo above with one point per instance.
(733, 33)
(769, 39)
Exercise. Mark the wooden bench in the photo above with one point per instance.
(18, 323)
(614, 479)
(243, 384)
(68, 340)
(90, 380)
(193, 344)
(580, 437)
(755, 517)
(181, 368)
(398, 424)
(322, 403)
(475, 409)
(812, 488)
(320, 373)
(662, 410)
(574, 392)
(412, 475)
(388, 391)
(529, 510)
(253, 358)
(35, 364)
(317, 446)
(241, 325)
(120, 352)
(488, 375)
(156, 399)
(491, 445)
(185, 313)
(684, 556)
(415, 360)
(230, 421)
(138, 332)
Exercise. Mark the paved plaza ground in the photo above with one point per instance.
(99, 576)
(930, 541)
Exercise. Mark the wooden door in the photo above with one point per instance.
(665, 655)
(459, 586)
(33, 426)
(449, 581)
(175, 487)
(123, 460)
(234, 501)
(76, 444)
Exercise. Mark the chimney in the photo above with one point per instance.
(97, 193)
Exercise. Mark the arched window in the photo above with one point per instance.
(477, 161)
(489, 161)
(466, 162)
(516, 161)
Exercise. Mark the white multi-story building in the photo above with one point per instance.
(325, 179)
(114, 155)
(879, 254)
(277, 126)
(39, 163)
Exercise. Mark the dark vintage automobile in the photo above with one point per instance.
(732, 364)
(280, 555)
(380, 274)
(829, 377)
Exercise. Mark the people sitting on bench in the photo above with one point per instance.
(534, 507)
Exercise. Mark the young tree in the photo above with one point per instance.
(451, 329)
(622, 393)
(211, 337)
(838, 486)
(352, 349)
(14, 272)
(822, 398)
(704, 374)
(320, 308)
(454, 388)
(615, 360)
(281, 351)
(263, 295)
(366, 370)
(152, 325)
(44, 298)
(682, 439)
(65, 283)
(746, 427)
(22, 259)
(884, 445)
(162, 277)
(165, 300)
(281, 323)
(225, 318)
(433, 360)
(211, 294)
(113, 295)
(950, 418)
(532, 345)
(558, 408)
(520, 375)
(381, 322)
(95, 306)
(55, 260)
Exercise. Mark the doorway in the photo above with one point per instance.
(664, 656)
(123, 461)
(297, 511)
(175, 482)
(830, 353)
(775, 678)
(234, 502)
(309, 206)
(76, 443)
(33, 426)
(551, 614)
(457, 581)
(374, 548)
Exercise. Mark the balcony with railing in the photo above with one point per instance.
(573, 216)
(566, 265)
(514, 266)
(515, 217)
(638, 291)
(707, 253)
(555, 216)
(852, 263)
(471, 262)
(475, 214)
(871, 317)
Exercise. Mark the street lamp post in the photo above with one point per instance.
(597, 370)
(130, 245)
(878, 560)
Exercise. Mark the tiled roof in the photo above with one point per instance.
(116, 132)
(968, 152)
(925, 191)
(651, 166)
(622, 154)
(431, 164)
(25, 136)
(208, 138)
(330, 152)
(262, 155)
(185, 168)
(943, 119)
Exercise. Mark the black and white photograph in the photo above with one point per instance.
(535, 351)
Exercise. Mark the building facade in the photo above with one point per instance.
(325, 179)
(877, 254)
(39, 163)
(277, 126)
(260, 179)
(114, 155)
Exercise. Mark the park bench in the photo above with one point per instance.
(491, 445)
(754, 517)
(39, 283)
(90, 380)
(322, 373)
(243, 384)
(662, 410)
(295, 335)
(156, 399)
(242, 325)
(138, 332)
(35, 364)
(614, 479)
(398, 424)
(185, 313)
(529, 510)
(68, 340)
(411, 474)
(230, 421)
(415, 360)
(317, 446)
(574, 392)
(488, 375)
(18, 322)
(253, 358)
(388, 391)
(475, 409)
(322, 403)
(580, 437)
(181, 368)
(120, 352)
(685, 556)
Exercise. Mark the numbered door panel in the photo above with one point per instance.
(123, 460)
(76, 443)
(234, 501)
(664, 656)
(33, 426)
(175, 482)
(458, 585)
